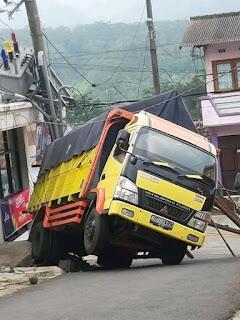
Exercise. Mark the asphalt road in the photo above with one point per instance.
(207, 287)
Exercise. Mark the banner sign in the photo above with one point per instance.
(18, 206)
(7, 223)
(13, 212)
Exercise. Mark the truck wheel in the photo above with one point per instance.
(114, 258)
(175, 253)
(96, 233)
(46, 245)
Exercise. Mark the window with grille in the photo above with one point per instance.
(226, 75)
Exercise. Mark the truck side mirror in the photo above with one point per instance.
(237, 181)
(123, 139)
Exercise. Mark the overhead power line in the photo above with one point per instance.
(100, 52)
(68, 62)
(182, 94)
(143, 67)
(106, 68)
(6, 25)
(125, 56)
(186, 92)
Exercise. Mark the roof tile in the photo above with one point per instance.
(210, 29)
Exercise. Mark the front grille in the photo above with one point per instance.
(164, 207)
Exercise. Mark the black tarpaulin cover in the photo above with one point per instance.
(167, 105)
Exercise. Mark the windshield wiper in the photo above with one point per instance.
(197, 177)
(161, 164)
(190, 176)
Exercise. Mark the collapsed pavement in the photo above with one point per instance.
(17, 270)
(13, 254)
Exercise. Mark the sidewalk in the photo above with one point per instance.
(13, 280)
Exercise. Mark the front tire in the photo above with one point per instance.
(96, 233)
(174, 254)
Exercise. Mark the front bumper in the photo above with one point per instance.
(142, 217)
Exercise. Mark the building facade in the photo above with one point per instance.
(219, 38)
(17, 151)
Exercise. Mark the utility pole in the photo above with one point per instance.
(39, 50)
(35, 26)
(153, 50)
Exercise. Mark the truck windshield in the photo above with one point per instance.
(186, 158)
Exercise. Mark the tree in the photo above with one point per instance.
(191, 99)
(83, 108)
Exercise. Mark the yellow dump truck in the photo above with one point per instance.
(123, 185)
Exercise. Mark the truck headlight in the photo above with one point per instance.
(197, 224)
(200, 220)
(126, 190)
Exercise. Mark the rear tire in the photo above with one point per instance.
(47, 246)
(175, 253)
(96, 233)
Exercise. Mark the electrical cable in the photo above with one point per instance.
(114, 70)
(182, 94)
(119, 92)
(102, 66)
(28, 99)
(86, 53)
(68, 62)
(6, 25)
(105, 68)
(124, 58)
(143, 66)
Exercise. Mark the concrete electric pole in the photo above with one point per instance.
(35, 26)
(50, 78)
(153, 50)
(39, 50)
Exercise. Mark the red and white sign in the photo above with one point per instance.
(17, 206)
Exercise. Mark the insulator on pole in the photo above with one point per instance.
(5, 59)
(8, 47)
(15, 44)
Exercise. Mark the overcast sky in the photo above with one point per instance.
(72, 12)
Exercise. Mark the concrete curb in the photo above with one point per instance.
(15, 279)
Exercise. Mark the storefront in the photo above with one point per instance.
(17, 153)
(14, 193)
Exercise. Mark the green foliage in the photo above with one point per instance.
(190, 96)
(86, 107)
(83, 108)
(98, 51)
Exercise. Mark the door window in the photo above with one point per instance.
(225, 76)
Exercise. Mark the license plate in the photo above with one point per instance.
(161, 222)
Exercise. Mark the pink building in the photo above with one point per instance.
(219, 38)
